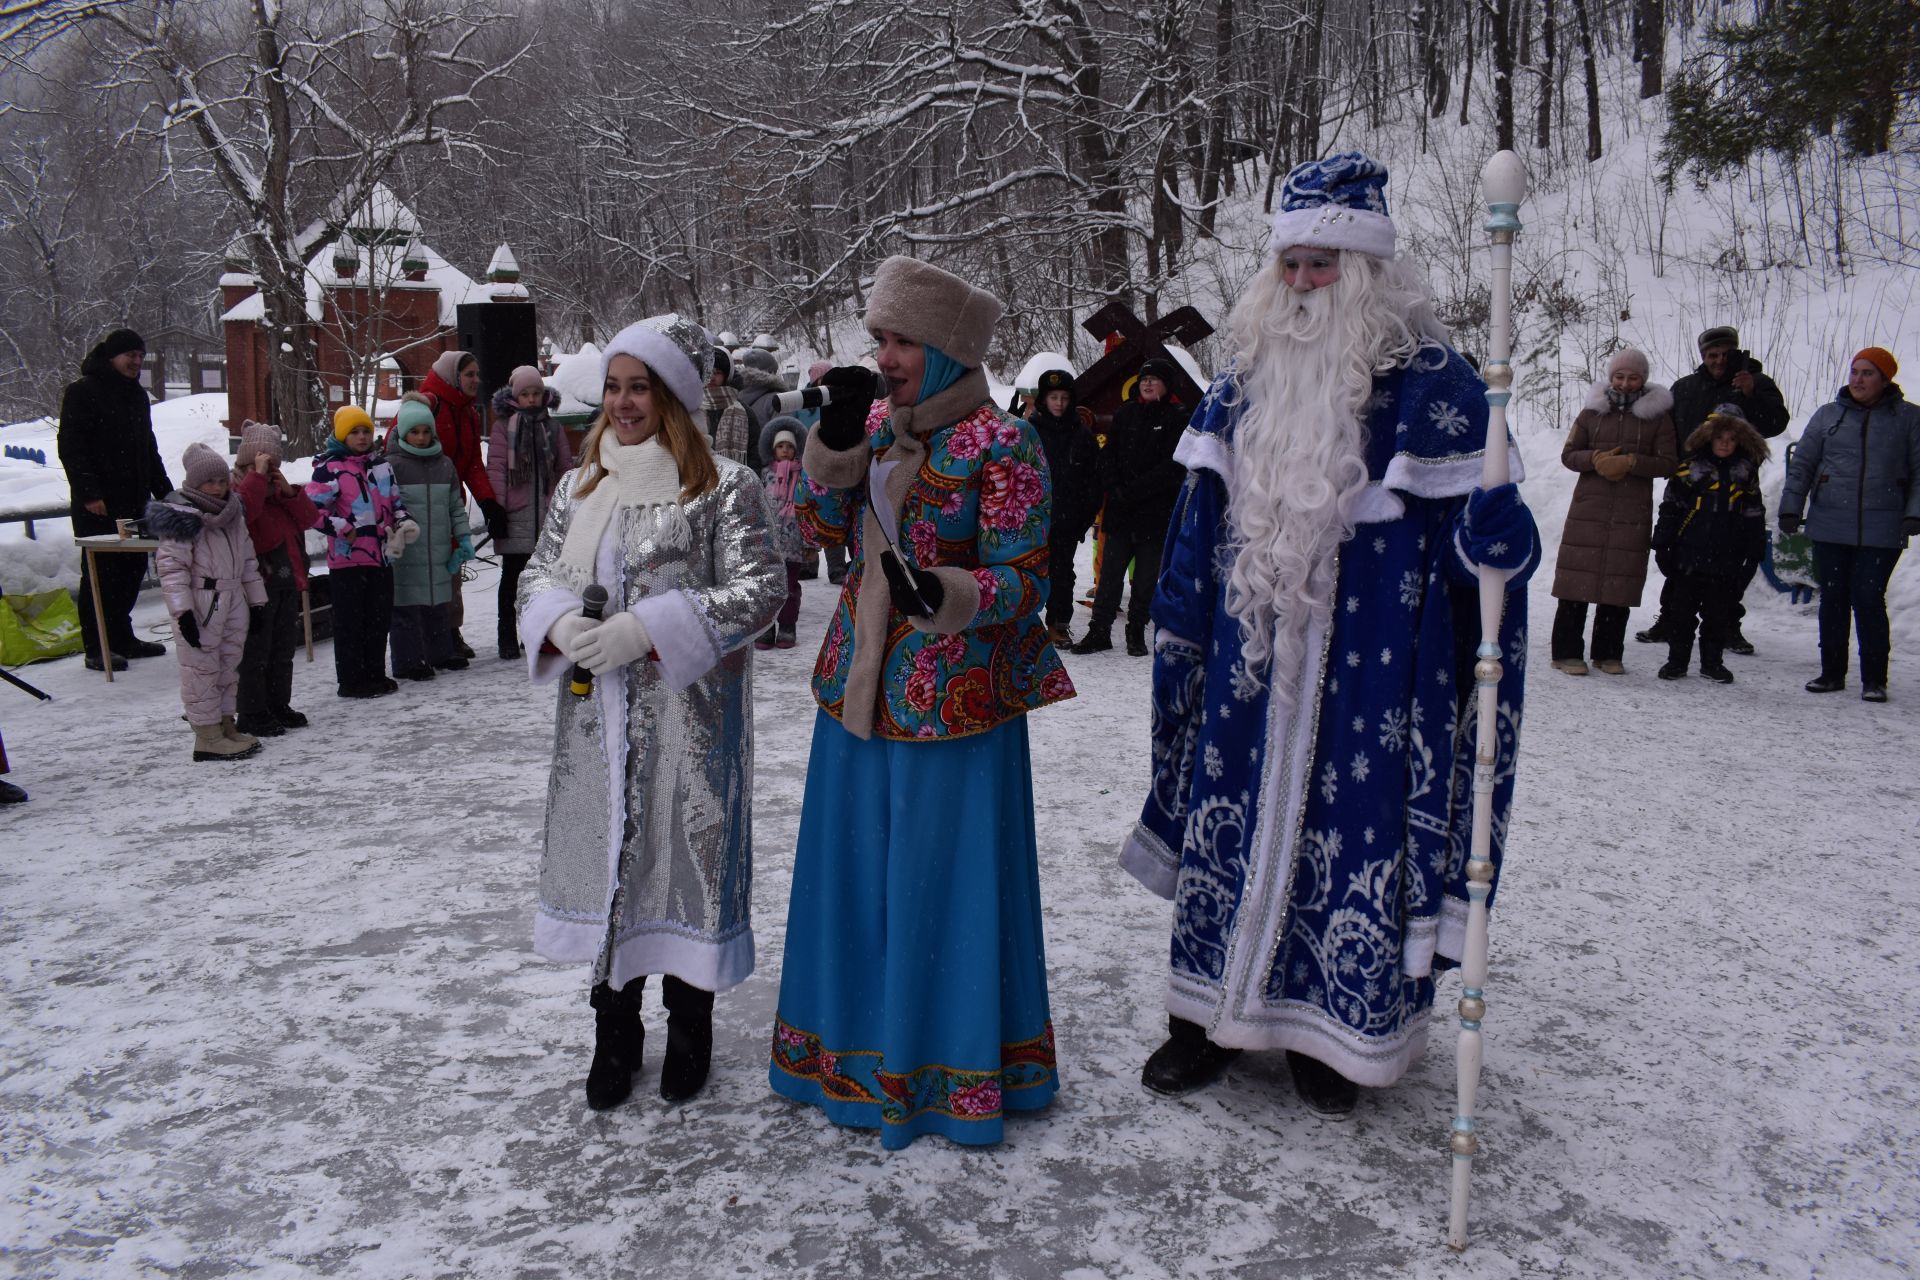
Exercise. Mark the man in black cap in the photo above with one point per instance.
(1726, 376)
(1142, 483)
(113, 469)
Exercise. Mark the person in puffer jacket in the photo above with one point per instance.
(1710, 536)
(367, 528)
(1856, 476)
(427, 577)
(527, 454)
(213, 587)
(278, 517)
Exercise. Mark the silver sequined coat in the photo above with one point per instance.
(647, 822)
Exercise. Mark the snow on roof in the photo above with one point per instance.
(503, 262)
(577, 378)
(383, 215)
(381, 263)
(1030, 372)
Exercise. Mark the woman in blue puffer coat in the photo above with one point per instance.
(1856, 477)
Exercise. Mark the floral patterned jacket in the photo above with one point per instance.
(978, 504)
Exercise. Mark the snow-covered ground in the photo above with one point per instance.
(281, 1018)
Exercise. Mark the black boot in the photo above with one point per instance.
(1136, 643)
(618, 1039)
(1824, 683)
(1187, 1061)
(1677, 654)
(1321, 1087)
(1658, 633)
(1095, 641)
(1713, 667)
(689, 1039)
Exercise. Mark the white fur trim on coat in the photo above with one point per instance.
(1655, 400)
(681, 640)
(1333, 226)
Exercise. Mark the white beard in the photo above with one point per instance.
(1305, 367)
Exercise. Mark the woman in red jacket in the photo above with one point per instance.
(453, 384)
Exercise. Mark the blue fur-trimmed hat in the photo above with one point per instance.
(1336, 203)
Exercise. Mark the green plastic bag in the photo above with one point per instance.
(43, 625)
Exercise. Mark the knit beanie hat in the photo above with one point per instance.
(816, 371)
(933, 307)
(121, 341)
(1336, 203)
(415, 411)
(676, 350)
(524, 378)
(1881, 359)
(722, 363)
(347, 417)
(1157, 368)
(202, 465)
(783, 436)
(1629, 358)
(759, 358)
(448, 366)
(257, 438)
(1721, 335)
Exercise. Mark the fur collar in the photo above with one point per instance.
(1653, 402)
(178, 520)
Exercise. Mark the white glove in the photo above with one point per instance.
(394, 545)
(566, 632)
(617, 642)
(406, 531)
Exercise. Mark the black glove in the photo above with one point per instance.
(497, 528)
(257, 617)
(495, 515)
(189, 628)
(903, 587)
(1911, 526)
(1789, 523)
(1664, 559)
(843, 421)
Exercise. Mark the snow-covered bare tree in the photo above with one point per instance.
(294, 112)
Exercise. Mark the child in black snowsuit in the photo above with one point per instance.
(1710, 535)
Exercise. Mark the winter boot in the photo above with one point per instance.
(421, 672)
(1738, 643)
(689, 1039)
(146, 649)
(209, 743)
(1824, 683)
(618, 1039)
(1713, 666)
(1572, 666)
(766, 638)
(461, 648)
(786, 639)
(1873, 693)
(289, 718)
(509, 647)
(1060, 635)
(10, 794)
(95, 664)
(455, 663)
(1323, 1089)
(1136, 643)
(1658, 633)
(233, 734)
(261, 726)
(1094, 642)
(1187, 1061)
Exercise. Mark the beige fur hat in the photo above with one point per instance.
(933, 307)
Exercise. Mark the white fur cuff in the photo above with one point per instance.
(835, 468)
(540, 614)
(680, 639)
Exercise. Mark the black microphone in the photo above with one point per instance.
(815, 397)
(593, 603)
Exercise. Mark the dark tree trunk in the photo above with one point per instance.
(1217, 164)
(1466, 64)
(1503, 74)
(1650, 45)
(1591, 73)
(1543, 123)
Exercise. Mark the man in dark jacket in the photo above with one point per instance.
(113, 469)
(1073, 466)
(1727, 375)
(1142, 483)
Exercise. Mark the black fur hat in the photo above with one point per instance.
(1054, 380)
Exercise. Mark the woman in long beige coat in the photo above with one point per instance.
(1621, 442)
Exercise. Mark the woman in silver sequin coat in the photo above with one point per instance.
(648, 864)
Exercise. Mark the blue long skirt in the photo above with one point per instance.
(913, 998)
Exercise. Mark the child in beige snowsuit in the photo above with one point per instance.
(213, 587)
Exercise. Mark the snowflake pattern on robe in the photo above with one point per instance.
(1316, 855)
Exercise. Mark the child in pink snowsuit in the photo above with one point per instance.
(212, 585)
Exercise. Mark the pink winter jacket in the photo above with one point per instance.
(205, 561)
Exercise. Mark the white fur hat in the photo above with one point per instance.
(1336, 203)
(676, 350)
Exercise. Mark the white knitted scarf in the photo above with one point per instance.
(637, 475)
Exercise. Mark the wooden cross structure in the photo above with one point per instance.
(1103, 387)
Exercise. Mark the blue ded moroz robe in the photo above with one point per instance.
(1316, 854)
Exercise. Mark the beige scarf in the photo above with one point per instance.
(637, 475)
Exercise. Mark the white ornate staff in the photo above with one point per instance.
(1504, 182)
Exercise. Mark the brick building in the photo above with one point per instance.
(382, 306)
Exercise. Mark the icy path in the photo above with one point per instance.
(280, 1018)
